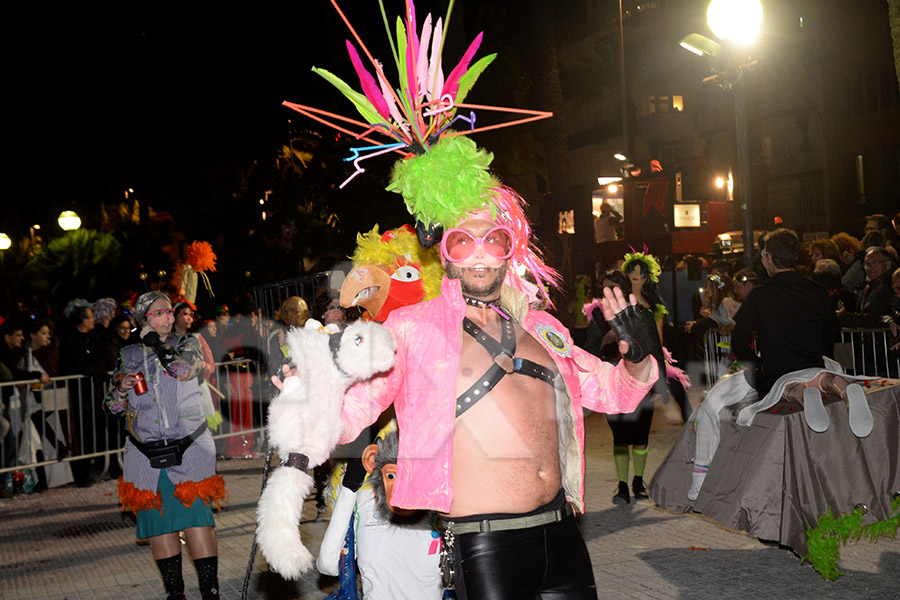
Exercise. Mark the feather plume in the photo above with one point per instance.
(362, 104)
(471, 76)
(422, 58)
(452, 84)
(370, 88)
(399, 121)
(435, 79)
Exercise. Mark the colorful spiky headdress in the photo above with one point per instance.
(649, 261)
(443, 176)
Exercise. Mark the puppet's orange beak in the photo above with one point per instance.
(366, 286)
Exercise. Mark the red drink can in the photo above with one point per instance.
(140, 384)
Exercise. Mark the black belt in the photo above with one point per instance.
(524, 522)
(505, 361)
(182, 443)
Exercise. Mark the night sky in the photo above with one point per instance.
(171, 100)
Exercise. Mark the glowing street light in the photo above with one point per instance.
(5, 242)
(69, 220)
(737, 21)
(720, 182)
(737, 24)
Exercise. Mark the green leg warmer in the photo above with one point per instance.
(620, 458)
(640, 461)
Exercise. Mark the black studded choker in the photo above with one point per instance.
(485, 304)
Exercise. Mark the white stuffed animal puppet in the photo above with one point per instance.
(305, 425)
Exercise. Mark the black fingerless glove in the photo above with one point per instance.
(631, 327)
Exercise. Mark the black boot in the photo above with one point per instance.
(170, 569)
(622, 497)
(637, 487)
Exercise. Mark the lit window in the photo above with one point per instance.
(678, 103)
(567, 221)
(652, 104)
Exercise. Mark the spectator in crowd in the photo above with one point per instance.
(241, 341)
(854, 278)
(848, 246)
(10, 349)
(79, 355)
(828, 274)
(877, 294)
(826, 248)
(41, 427)
(607, 225)
(293, 313)
(745, 281)
(104, 311)
(882, 224)
(893, 321)
(719, 307)
(122, 332)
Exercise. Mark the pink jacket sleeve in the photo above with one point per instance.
(610, 389)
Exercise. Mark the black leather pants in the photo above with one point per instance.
(547, 562)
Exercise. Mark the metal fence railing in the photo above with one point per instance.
(64, 421)
(868, 352)
(717, 349)
(860, 352)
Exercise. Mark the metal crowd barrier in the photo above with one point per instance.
(70, 424)
(717, 349)
(868, 352)
(860, 352)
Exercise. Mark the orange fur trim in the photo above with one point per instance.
(134, 499)
(211, 490)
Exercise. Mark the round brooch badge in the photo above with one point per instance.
(555, 340)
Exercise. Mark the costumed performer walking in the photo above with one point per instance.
(488, 389)
(169, 478)
(638, 275)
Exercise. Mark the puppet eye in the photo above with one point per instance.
(406, 273)
(358, 340)
(390, 476)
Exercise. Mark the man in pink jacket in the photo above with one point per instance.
(488, 393)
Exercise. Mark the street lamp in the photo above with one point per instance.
(69, 220)
(5, 242)
(737, 23)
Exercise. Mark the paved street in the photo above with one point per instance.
(72, 543)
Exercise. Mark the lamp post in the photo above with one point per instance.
(736, 23)
(69, 220)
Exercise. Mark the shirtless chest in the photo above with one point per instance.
(505, 447)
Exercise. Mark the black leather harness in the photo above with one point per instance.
(505, 362)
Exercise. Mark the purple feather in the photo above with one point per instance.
(369, 86)
(451, 86)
